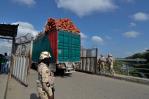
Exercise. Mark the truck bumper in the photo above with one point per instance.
(69, 70)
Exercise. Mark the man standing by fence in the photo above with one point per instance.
(2, 63)
(110, 62)
(101, 62)
(6, 69)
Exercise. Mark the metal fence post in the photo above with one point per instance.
(96, 60)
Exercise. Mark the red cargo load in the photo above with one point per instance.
(61, 24)
(52, 36)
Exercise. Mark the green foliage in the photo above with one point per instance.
(146, 56)
(143, 55)
(130, 70)
(117, 66)
(140, 67)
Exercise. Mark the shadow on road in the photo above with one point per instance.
(33, 96)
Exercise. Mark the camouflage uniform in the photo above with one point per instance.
(101, 63)
(45, 81)
(110, 62)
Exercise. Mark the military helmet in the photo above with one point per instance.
(101, 55)
(110, 55)
(44, 55)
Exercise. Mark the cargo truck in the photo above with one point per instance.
(62, 43)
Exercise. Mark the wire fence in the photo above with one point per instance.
(24, 39)
(22, 58)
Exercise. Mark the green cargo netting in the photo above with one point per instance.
(39, 45)
(68, 46)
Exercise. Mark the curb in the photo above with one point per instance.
(128, 78)
(123, 77)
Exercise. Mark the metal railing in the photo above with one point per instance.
(89, 64)
(132, 71)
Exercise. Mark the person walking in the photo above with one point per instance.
(110, 61)
(6, 63)
(45, 82)
(101, 63)
(2, 63)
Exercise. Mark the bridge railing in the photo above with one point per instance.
(132, 71)
(89, 64)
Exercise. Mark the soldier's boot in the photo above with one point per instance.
(43, 96)
(51, 97)
(101, 69)
(113, 72)
(104, 70)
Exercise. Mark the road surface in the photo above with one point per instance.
(3, 82)
(87, 86)
(82, 86)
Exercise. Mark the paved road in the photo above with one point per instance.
(3, 82)
(82, 86)
(86, 86)
(18, 91)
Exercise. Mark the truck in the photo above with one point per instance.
(62, 39)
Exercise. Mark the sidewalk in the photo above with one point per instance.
(17, 91)
(3, 83)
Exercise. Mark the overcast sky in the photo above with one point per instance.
(119, 27)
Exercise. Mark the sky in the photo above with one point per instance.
(119, 27)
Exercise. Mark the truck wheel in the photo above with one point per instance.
(34, 66)
(62, 72)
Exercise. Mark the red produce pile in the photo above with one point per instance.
(61, 24)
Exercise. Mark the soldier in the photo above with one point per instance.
(101, 63)
(110, 62)
(45, 80)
